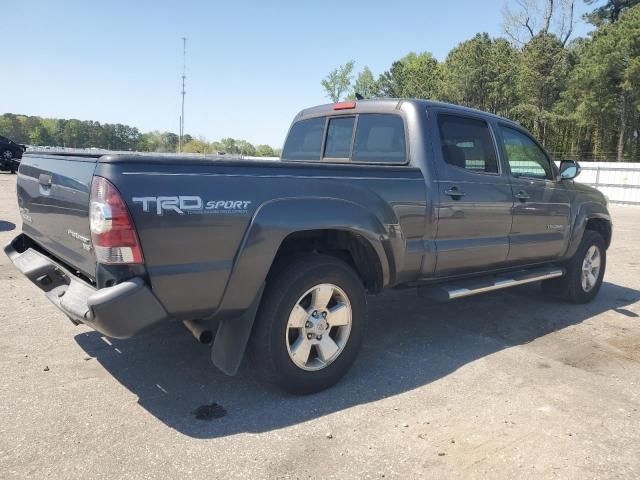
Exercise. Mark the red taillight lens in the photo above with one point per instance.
(344, 105)
(112, 233)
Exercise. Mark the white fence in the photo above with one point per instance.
(619, 181)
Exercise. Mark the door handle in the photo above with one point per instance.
(522, 196)
(455, 193)
(44, 180)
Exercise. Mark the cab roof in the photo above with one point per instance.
(387, 105)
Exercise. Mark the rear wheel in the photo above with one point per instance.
(7, 159)
(310, 324)
(585, 271)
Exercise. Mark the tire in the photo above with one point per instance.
(6, 157)
(285, 324)
(574, 286)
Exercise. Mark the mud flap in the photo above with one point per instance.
(232, 338)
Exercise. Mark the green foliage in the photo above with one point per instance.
(245, 148)
(502, 95)
(87, 134)
(542, 77)
(604, 90)
(609, 12)
(265, 151)
(465, 73)
(391, 82)
(365, 85)
(413, 76)
(229, 145)
(68, 133)
(196, 146)
(158, 142)
(337, 83)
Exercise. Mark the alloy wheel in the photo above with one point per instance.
(318, 327)
(590, 268)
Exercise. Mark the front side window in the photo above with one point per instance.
(467, 143)
(339, 135)
(525, 157)
(305, 140)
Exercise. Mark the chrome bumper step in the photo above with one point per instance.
(473, 286)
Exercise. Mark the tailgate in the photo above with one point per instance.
(53, 197)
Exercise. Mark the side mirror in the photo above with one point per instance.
(569, 169)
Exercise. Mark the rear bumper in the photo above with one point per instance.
(120, 311)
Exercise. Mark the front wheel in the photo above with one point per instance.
(585, 271)
(310, 324)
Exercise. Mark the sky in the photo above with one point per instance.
(251, 66)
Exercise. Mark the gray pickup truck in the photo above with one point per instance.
(279, 255)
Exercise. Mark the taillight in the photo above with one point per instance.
(112, 232)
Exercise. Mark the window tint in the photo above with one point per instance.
(305, 140)
(379, 138)
(339, 134)
(467, 143)
(525, 158)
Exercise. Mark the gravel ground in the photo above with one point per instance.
(509, 384)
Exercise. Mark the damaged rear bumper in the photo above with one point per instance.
(120, 311)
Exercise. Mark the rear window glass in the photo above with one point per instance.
(339, 135)
(305, 140)
(379, 138)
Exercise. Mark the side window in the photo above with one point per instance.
(339, 135)
(379, 138)
(525, 158)
(467, 143)
(305, 140)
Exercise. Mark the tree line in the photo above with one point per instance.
(580, 97)
(34, 130)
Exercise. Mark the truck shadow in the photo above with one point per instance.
(410, 343)
(6, 226)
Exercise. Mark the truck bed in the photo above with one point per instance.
(192, 216)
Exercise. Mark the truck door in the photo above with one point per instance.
(474, 195)
(541, 209)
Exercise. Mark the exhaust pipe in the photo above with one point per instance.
(203, 334)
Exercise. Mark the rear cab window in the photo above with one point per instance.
(379, 138)
(360, 138)
(304, 140)
(339, 137)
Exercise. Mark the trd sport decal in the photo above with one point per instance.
(190, 204)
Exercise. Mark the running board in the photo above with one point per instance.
(465, 288)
